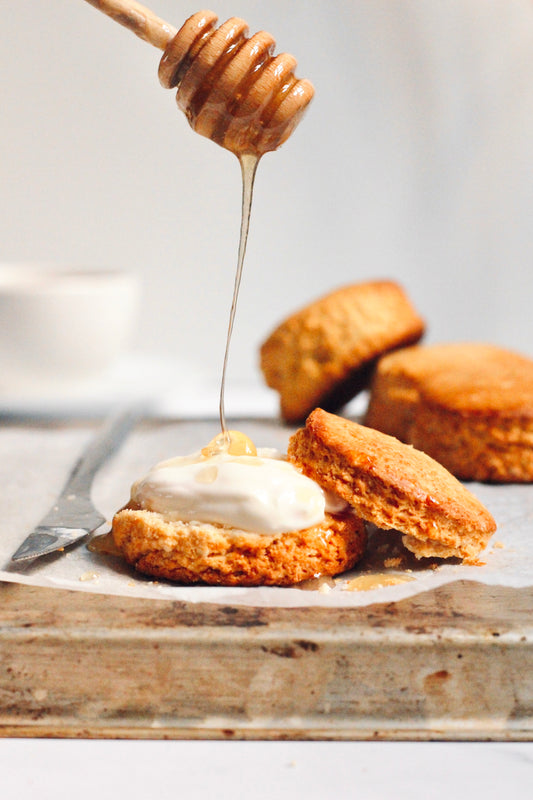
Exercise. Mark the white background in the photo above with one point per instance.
(415, 162)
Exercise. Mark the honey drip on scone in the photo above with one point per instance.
(235, 444)
(248, 169)
(104, 544)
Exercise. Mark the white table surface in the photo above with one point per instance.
(55, 769)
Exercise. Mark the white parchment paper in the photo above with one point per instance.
(35, 460)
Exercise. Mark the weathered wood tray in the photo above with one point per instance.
(453, 663)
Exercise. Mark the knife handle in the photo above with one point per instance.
(100, 448)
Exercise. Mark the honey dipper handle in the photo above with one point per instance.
(139, 19)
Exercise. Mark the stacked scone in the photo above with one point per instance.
(244, 520)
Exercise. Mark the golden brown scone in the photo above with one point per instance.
(193, 552)
(324, 354)
(392, 485)
(469, 406)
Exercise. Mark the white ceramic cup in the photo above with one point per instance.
(62, 327)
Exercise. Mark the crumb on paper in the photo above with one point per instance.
(319, 583)
(498, 546)
(89, 576)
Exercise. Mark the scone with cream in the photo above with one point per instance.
(324, 354)
(240, 518)
(393, 486)
(468, 405)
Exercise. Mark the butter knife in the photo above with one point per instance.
(73, 515)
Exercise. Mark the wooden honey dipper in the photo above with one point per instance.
(232, 88)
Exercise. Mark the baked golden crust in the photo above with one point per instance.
(324, 353)
(469, 406)
(392, 485)
(194, 552)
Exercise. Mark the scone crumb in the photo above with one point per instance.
(318, 583)
(391, 563)
(89, 576)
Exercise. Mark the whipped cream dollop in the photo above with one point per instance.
(262, 493)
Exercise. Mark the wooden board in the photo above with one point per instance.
(453, 663)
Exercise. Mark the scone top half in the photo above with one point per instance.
(323, 354)
(393, 486)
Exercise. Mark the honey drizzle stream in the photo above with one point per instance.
(248, 164)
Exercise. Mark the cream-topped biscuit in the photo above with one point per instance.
(236, 519)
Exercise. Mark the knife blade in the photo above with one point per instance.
(74, 516)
